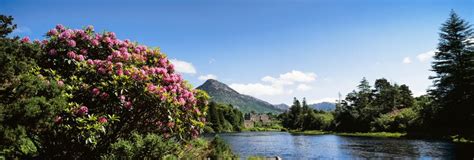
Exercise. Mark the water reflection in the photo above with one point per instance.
(339, 147)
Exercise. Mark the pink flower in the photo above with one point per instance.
(60, 83)
(83, 110)
(71, 43)
(126, 72)
(119, 72)
(84, 51)
(52, 32)
(104, 96)
(25, 39)
(95, 42)
(151, 87)
(102, 120)
(102, 70)
(181, 101)
(65, 35)
(59, 27)
(122, 98)
(128, 105)
(95, 91)
(71, 54)
(58, 119)
(53, 52)
(90, 62)
(79, 58)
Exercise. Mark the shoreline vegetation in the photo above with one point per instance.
(396, 135)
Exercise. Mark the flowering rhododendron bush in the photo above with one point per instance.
(116, 87)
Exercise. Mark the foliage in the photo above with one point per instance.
(453, 91)
(220, 149)
(76, 93)
(367, 106)
(301, 117)
(29, 101)
(150, 146)
(224, 118)
(395, 121)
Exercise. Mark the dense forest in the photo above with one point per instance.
(447, 109)
(223, 118)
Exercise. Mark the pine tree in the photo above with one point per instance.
(453, 83)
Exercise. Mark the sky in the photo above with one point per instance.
(271, 49)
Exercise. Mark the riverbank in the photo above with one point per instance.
(355, 134)
(456, 139)
(256, 145)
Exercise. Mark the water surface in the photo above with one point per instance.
(290, 146)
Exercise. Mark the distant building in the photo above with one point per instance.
(250, 119)
(248, 124)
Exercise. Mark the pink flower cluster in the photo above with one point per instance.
(81, 111)
(106, 56)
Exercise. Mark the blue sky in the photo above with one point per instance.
(271, 49)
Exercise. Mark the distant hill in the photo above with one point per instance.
(221, 93)
(325, 106)
(282, 106)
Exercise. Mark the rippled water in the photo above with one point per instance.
(290, 146)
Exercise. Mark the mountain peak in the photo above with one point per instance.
(212, 84)
(221, 93)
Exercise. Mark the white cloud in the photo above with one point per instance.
(303, 87)
(271, 86)
(327, 99)
(257, 89)
(426, 56)
(406, 60)
(183, 66)
(206, 77)
(298, 76)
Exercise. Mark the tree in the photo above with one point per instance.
(6, 25)
(29, 101)
(406, 99)
(453, 83)
(293, 119)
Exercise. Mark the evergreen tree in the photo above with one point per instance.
(454, 80)
(406, 97)
(6, 25)
(294, 118)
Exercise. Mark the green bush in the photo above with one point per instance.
(149, 146)
(396, 121)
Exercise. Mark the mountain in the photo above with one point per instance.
(221, 93)
(325, 106)
(282, 106)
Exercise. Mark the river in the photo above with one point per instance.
(289, 146)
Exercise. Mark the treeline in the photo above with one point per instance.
(223, 118)
(301, 117)
(386, 107)
(447, 109)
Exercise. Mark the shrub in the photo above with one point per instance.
(396, 121)
(114, 88)
(29, 101)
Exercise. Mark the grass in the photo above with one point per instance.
(356, 134)
(374, 134)
(310, 132)
(459, 139)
